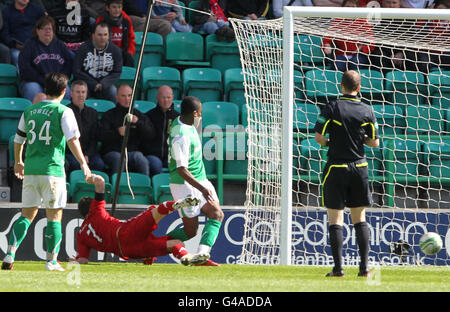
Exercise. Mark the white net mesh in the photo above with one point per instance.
(405, 69)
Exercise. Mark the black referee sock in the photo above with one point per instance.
(362, 238)
(336, 241)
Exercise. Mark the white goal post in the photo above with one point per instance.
(270, 61)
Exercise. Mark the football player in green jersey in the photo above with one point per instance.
(188, 177)
(45, 127)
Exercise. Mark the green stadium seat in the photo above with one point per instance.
(210, 154)
(8, 80)
(406, 87)
(140, 185)
(234, 86)
(185, 49)
(220, 114)
(127, 76)
(11, 110)
(310, 158)
(404, 160)
(439, 88)
(447, 121)
(305, 117)
(372, 87)
(390, 118)
(235, 157)
(192, 5)
(153, 50)
(79, 188)
(101, 106)
(424, 119)
(157, 76)
(204, 83)
(322, 85)
(299, 86)
(144, 106)
(308, 53)
(161, 189)
(374, 158)
(222, 55)
(437, 160)
(177, 105)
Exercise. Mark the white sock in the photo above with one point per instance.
(203, 249)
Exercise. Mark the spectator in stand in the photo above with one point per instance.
(137, 10)
(156, 150)
(348, 54)
(327, 3)
(417, 4)
(95, 8)
(162, 9)
(19, 19)
(278, 5)
(72, 23)
(87, 120)
(43, 54)
(5, 54)
(217, 23)
(387, 58)
(112, 131)
(99, 64)
(250, 9)
(122, 33)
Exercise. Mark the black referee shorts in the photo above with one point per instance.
(346, 185)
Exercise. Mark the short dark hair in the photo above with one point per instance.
(78, 82)
(84, 205)
(189, 105)
(55, 83)
(109, 2)
(351, 80)
(100, 24)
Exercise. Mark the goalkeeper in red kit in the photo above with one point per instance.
(130, 239)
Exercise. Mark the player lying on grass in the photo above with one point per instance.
(131, 239)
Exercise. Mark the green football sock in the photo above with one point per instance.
(18, 233)
(210, 232)
(179, 234)
(53, 236)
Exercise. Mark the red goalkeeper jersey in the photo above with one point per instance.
(98, 231)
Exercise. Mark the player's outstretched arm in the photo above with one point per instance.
(98, 182)
(75, 148)
(374, 143)
(321, 139)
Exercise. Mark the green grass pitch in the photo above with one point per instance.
(136, 277)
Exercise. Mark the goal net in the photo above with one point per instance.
(292, 67)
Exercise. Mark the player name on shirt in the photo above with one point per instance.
(41, 111)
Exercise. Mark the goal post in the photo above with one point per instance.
(286, 75)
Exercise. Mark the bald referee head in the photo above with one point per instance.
(351, 82)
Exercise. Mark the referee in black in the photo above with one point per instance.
(345, 182)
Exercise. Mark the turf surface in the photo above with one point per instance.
(136, 277)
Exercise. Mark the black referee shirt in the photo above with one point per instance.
(347, 120)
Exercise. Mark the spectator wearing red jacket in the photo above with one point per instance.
(349, 54)
(121, 28)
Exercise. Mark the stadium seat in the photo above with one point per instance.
(192, 5)
(177, 105)
(234, 86)
(222, 55)
(100, 105)
(406, 87)
(424, 119)
(210, 154)
(156, 76)
(374, 158)
(127, 76)
(161, 189)
(305, 117)
(308, 53)
(185, 49)
(299, 86)
(10, 111)
(144, 106)
(322, 85)
(153, 50)
(372, 87)
(390, 118)
(221, 114)
(8, 80)
(403, 160)
(140, 185)
(312, 159)
(437, 160)
(80, 188)
(204, 83)
(235, 157)
(439, 88)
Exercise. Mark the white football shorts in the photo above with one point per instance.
(180, 191)
(44, 191)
